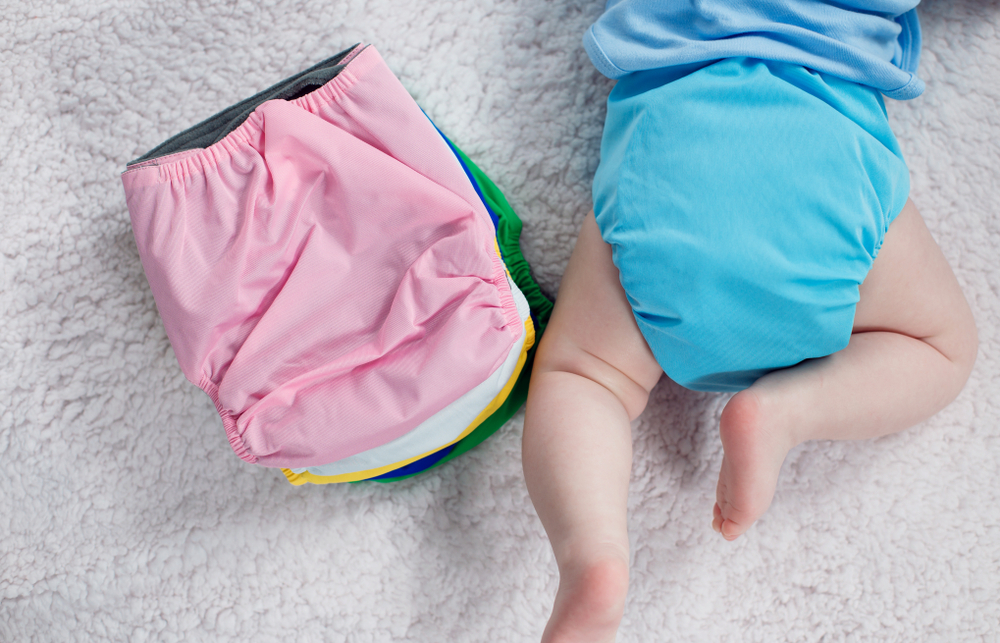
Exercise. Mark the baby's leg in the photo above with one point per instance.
(912, 349)
(592, 375)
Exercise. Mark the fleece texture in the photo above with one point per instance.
(125, 516)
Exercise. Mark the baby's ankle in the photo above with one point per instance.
(759, 411)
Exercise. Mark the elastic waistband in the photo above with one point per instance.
(180, 156)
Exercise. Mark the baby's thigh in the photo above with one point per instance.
(911, 290)
(593, 331)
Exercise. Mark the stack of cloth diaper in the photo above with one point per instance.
(344, 283)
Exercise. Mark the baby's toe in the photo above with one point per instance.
(731, 530)
(717, 518)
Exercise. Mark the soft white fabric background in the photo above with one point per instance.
(124, 516)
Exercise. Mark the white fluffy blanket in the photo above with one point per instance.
(124, 515)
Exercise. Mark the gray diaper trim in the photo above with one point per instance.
(215, 128)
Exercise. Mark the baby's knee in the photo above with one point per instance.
(557, 352)
(963, 346)
(958, 341)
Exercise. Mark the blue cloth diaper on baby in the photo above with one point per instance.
(745, 201)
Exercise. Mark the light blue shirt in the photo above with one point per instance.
(875, 43)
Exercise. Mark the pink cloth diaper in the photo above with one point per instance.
(325, 272)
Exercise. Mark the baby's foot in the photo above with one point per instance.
(754, 448)
(590, 602)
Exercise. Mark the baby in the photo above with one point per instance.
(751, 233)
